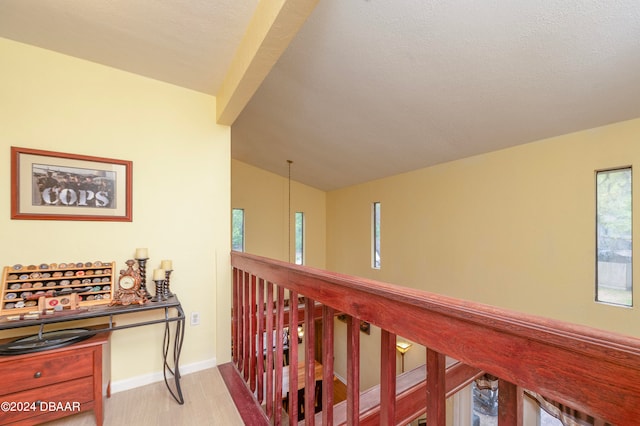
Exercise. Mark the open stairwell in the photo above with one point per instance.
(595, 373)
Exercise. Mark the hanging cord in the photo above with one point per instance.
(289, 213)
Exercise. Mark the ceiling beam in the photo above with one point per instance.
(270, 31)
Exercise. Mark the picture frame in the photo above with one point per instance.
(49, 185)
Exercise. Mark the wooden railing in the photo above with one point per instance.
(593, 371)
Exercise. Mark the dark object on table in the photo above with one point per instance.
(48, 340)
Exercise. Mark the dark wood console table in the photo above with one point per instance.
(172, 313)
(42, 386)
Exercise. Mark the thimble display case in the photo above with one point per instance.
(91, 283)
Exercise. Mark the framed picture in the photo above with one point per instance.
(47, 185)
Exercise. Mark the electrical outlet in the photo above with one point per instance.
(195, 318)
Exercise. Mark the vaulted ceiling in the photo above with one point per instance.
(370, 88)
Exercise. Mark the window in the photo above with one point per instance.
(299, 238)
(237, 229)
(613, 237)
(376, 236)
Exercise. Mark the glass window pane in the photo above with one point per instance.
(299, 238)
(376, 236)
(237, 229)
(613, 230)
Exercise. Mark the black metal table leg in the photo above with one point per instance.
(177, 348)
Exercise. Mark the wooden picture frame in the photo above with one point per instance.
(48, 185)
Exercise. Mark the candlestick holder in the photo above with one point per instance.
(142, 269)
(166, 291)
(159, 296)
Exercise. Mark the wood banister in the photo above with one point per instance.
(353, 371)
(436, 388)
(387, 377)
(269, 357)
(327, 362)
(590, 370)
(279, 359)
(293, 357)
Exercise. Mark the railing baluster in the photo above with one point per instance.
(327, 363)
(436, 389)
(510, 408)
(353, 371)
(269, 348)
(293, 358)
(387, 378)
(241, 320)
(246, 315)
(309, 358)
(235, 317)
(261, 348)
(253, 335)
(279, 360)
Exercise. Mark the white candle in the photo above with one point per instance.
(158, 275)
(167, 265)
(142, 253)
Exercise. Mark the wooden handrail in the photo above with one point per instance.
(590, 370)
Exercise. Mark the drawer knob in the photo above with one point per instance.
(37, 375)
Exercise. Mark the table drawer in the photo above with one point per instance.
(44, 369)
(64, 398)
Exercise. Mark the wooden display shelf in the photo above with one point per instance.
(23, 285)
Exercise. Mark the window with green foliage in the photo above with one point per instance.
(237, 229)
(613, 237)
(299, 238)
(375, 262)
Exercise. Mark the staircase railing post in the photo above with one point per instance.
(436, 388)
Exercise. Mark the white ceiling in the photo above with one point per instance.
(372, 88)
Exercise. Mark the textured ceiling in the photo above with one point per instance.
(372, 88)
(189, 43)
(369, 89)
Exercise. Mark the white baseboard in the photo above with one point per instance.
(339, 377)
(147, 379)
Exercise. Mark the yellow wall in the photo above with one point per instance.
(181, 187)
(264, 196)
(513, 228)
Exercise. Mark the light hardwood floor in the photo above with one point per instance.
(207, 402)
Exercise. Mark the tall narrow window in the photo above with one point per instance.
(237, 229)
(376, 236)
(613, 237)
(299, 238)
